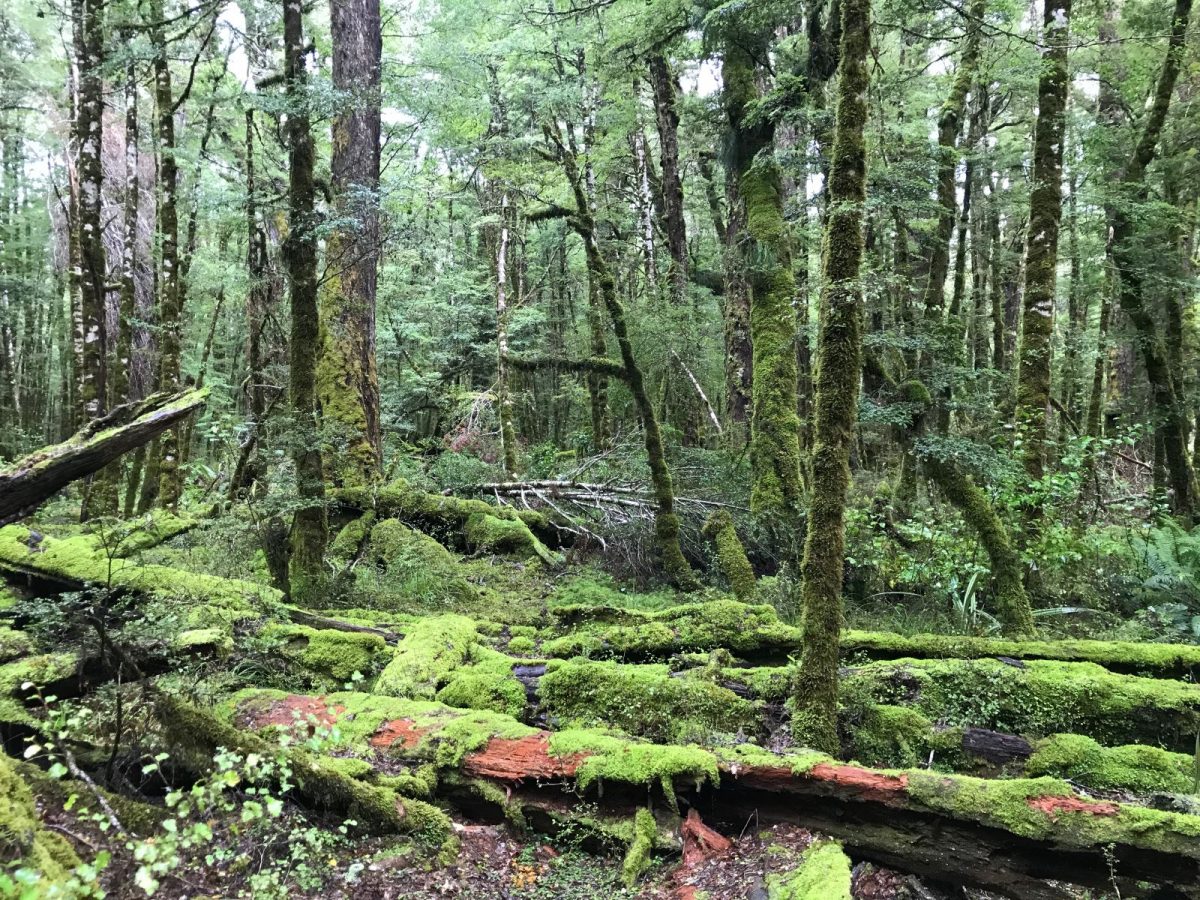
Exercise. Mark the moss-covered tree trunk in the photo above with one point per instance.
(1041, 247)
(347, 376)
(839, 364)
(776, 492)
(1165, 393)
(309, 525)
(170, 483)
(662, 82)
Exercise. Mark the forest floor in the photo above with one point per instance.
(518, 709)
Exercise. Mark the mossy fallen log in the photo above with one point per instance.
(25, 842)
(1004, 835)
(473, 524)
(823, 874)
(28, 482)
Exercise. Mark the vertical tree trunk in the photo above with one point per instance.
(776, 493)
(662, 82)
(347, 375)
(508, 434)
(170, 478)
(1172, 417)
(839, 363)
(100, 496)
(309, 525)
(1041, 253)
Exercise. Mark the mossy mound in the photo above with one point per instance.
(417, 570)
(1134, 767)
(738, 627)
(474, 688)
(486, 532)
(14, 644)
(823, 874)
(24, 842)
(898, 737)
(1039, 697)
(330, 654)
(644, 701)
(43, 671)
(423, 661)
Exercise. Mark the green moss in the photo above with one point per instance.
(1006, 804)
(41, 671)
(418, 568)
(23, 839)
(1040, 697)
(8, 598)
(644, 701)
(351, 767)
(738, 627)
(345, 546)
(489, 533)
(897, 736)
(433, 649)
(519, 645)
(731, 555)
(1161, 660)
(337, 655)
(14, 644)
(497, 691)
(637, 857)
(197, 639)
(1133, 767)
(605, 757)
(150, 531)
(824, 874)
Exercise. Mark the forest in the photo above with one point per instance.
(597, 449)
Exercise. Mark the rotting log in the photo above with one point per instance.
(1010, 836)
(31, 480)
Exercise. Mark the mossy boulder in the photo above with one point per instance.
(426, 657)
(417, 567)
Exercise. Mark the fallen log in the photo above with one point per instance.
(754, 633)
(31, 480)
(1009, 836)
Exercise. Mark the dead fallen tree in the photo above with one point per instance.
(31, 480)
(1009, 836)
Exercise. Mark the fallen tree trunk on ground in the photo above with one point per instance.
(30, 481)
(1009, 836)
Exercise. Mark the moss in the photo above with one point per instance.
(1039, 697)
(496, 691)
(605, 757)
(520, 645)
(14, 644)
(215, 639)
(351, 767)
(8, 598)
(1162, 660)
(897, 736)
(490, 533)
(139, 818)
(490, 792)
(824, 874)
(418, 567)
(1132, 767)
(731, 555)
(213, 600)
(349, 540)
(151, 530)
(43, 670)
(739, 627)
(644, 701)
(637, 858)
(1006, 803)
(433, 649)
(23, 839)
(337, 655)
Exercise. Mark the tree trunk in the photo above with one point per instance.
(662, 82)
(776, 492)
(1041, 254)
(839, 365)
(309, 525)
(508, 434)
(347, 376)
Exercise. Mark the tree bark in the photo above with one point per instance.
(839, 366)
(310, 529)
(663, 85)
(347, 375)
